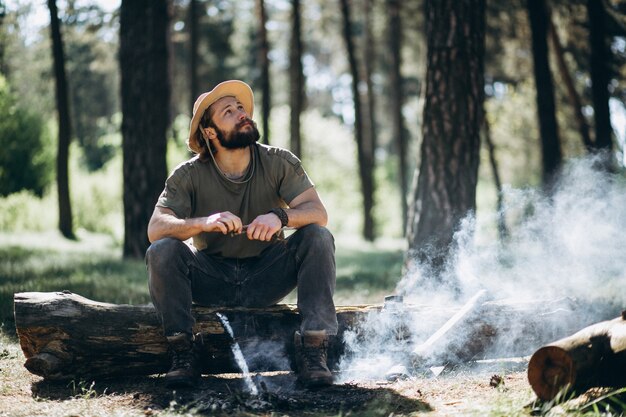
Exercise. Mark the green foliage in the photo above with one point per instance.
(25, 160)
(97, 196)
(512, 116)
(92, 68)
(610, 403)
(24, 210)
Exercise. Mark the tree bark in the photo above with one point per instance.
(193, 52)
(594, 356)
(599, 62)
(546, 109)
(145, 95)
(265, 70)
(397, 102)
(65, 128)
(365, 163)
(3, 64)
(453, 117)
(296, 79)
(369, 57)
(574, 97)
(493, 161)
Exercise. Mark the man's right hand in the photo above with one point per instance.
(225, 222)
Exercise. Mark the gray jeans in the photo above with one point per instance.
(180, 275)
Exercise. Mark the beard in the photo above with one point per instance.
(237, 139)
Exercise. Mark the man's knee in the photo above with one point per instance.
(314, 234)
(162, 251)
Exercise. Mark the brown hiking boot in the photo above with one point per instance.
(311, 351)
(184, 372)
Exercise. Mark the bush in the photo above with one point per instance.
(25, 160)
(23, 211)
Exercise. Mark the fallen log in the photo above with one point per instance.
(593, 357)
(65, 336)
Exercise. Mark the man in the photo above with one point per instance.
(233, 199)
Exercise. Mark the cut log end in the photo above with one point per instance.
(43, 364)
(550, 370)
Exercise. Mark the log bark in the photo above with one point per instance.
(65, 336)
(594, 356)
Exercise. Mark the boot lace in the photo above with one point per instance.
(182, 359)
(314, 358)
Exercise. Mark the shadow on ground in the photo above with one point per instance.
(226, 394)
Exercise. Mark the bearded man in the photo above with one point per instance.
(217, 236)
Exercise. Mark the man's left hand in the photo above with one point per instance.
(264, 227)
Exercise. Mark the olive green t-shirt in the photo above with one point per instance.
(196, 188)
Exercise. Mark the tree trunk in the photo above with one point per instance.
(397, 101)
(599, 61)
(493, 161)
(594, 356)
(453, 117)
(296, 80)
(65, 128)
(369, 57)
(574, 97)
(265, 70)
(366, 165)
(65, 336)
(546, 109)
(145, 95)
(3, 63)
(193, 52)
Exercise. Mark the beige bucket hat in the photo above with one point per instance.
(230, 88)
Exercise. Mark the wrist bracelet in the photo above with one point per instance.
(281, 214)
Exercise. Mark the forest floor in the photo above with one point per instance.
(464, 392)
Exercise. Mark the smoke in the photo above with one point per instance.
(567, 251)
(572, 244)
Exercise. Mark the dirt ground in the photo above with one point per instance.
(463, 391)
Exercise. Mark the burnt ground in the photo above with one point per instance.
(227, 395)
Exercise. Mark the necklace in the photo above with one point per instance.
(247, 176)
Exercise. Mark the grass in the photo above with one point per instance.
(91, 267)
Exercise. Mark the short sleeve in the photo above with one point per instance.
(177, 195)
(294, 179)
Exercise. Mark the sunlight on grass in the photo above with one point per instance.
(92, 267)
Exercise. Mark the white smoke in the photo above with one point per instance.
(572, 244)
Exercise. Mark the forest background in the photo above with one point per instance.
(466, 142)
(68, 172)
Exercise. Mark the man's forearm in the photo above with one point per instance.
(307, 213)
(164, 223)
(171, 226)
